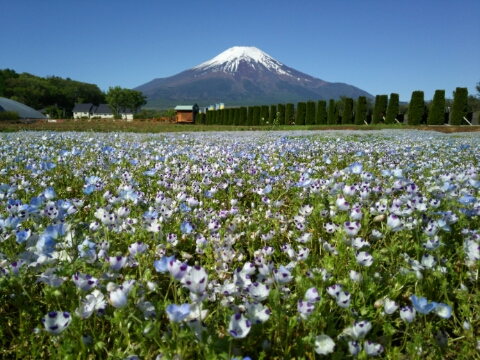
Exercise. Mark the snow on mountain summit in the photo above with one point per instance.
(229, 60)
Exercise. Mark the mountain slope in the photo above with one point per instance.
(242, 76)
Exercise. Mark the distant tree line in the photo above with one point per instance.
(51, 93)
(345, 111)
(58, 96)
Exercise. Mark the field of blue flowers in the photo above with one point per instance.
(251, 245)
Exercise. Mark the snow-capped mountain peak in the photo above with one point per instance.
(229, 60)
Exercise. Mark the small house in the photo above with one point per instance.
(186, 113)
(82, 111)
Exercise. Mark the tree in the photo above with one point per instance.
(243, 116)
(264, 114)
(361, 113)
(116, 99)
(273, 114)
(281, 114)
(135, 100)
(289, 109)
(310, 113)
(300, 115)
(416, 108)
(379, 109)
(478, 89)
(256, 116)
(321, 113)
(436, 114)
(459, 106)
(392, 109)
(332, 116)
(347, 115)
(250, 116)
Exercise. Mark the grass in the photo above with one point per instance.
(159, 127)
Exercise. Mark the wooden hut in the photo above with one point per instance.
(186, 114)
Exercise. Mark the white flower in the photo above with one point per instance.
(56, 322)
(324, 344)
(239, 326)
(118, 298)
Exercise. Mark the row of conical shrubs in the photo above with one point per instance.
(385, 110)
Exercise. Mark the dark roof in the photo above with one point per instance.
(24, 111)
(82, 107)
(102, 109)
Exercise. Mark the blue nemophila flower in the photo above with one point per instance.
(56, 322)
(87, 250)
(394, 223)
(351, 228)
(49, 193)
(363, 258)
(282, 275)
(256, 312)
(23, 235)
(372, 349)
(356, 168)
(195, 280)
(186, 227)
(117, 262)
(354, 347)
(407, 313)
(390, 306)
(305, 309)
(422, 305)
(343, 299)
(92, 302)
(50, 278)
(177, 313)
(443, 310)
(84, 282)
(258, 291)
(361, 328)
(239, 326)
(137, 248)
(312, 295)
(324, 344)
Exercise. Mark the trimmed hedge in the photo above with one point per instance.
(416, 109)
(436, 115)
(321, 114)
(392, 109)
(459, 106)
(361, 113)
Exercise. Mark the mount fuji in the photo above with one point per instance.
(242, 76)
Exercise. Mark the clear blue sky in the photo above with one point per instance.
(379, 46)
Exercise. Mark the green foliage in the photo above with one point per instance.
(310, 113)
(119, 99)
(332, 117)
(38, 92)
(250, 116)
(379, 109)
(392, 110)
(361, 113)
(9, 115)
(321, 113)
(264, 114)
(347, 114)
(243, 116)
(289, 114)
(232, 116)
(436, 114)
(273, 114)
(281, 114)
(459, 106)
(416, 108)
(301, 112)
(256, 116)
